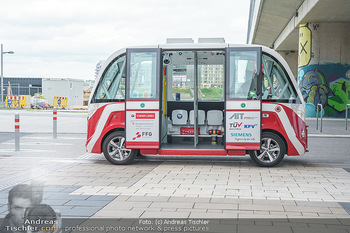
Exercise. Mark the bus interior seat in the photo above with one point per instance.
(179, 117)
(215, 117)
(201, 117)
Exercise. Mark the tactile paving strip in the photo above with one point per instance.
(25, 176)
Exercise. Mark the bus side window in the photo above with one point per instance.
(112, 82)
(276, 83)
(143, 73)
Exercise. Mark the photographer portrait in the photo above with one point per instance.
(26, 213)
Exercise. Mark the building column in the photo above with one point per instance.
(324, 67)
(291, 58)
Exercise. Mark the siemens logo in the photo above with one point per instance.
(241, 134)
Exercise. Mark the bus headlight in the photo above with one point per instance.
(303, 134)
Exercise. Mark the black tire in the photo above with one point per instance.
(114, 150)
(272, 151)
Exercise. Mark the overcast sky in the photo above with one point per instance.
(67, 38)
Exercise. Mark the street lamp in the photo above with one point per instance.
(2, 75)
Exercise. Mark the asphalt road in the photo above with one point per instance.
(41, 121)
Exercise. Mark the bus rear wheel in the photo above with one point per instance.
(114, 149)
(272, 150)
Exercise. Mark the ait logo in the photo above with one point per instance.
(138, 135)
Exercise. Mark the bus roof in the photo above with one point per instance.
(207, 46)
(186, 46)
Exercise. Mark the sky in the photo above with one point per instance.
(67, 38)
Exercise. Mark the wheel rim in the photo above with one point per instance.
(116, 149)
(270, 150)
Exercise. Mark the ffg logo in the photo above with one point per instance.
(147, 134)
(143, 134)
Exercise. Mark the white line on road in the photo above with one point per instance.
(26, 150)
(39, 143)
(86, 156)
(45, 138)
(328, 136)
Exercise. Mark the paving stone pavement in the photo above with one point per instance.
(182, 189)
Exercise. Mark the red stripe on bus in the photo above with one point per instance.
(244, 110)
(242, 146)
(137, 110)
(193, 152)
(142, 101)
(142, 145)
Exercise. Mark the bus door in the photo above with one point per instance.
(142, 98)
(243, 98)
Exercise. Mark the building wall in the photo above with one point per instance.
(73, 89)
(21, 85)
(324, 67)
(211, 76)
(76, 93)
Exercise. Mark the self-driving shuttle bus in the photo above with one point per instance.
(203, 99)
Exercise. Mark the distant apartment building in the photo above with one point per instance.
(212, 76)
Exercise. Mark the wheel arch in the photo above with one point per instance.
(278, 134)
(108, 133)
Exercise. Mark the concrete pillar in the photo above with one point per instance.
(291, 58)
(324, 67)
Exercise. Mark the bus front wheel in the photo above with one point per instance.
(114, 150)
(271, 152)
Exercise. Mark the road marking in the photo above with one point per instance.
(87, 156)
(50, 159)
(27, 150)
(40, 143)
(63, 138)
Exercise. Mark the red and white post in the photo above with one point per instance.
(54, 122)
(16, 132)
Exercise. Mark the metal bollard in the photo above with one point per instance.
(16, 132)
(346, 116)
(54, 122)
(321, 116)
